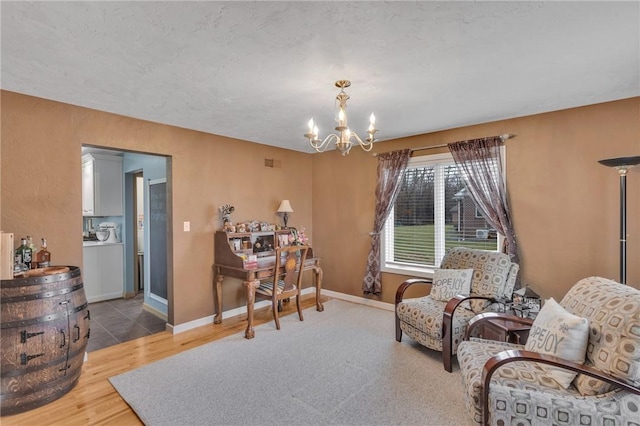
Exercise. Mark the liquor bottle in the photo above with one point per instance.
(32, 246)
(23, 253)
(18, 253)
(43, 257)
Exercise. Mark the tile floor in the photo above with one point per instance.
(119, 320)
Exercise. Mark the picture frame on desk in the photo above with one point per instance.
(283, 240)
(235, 244)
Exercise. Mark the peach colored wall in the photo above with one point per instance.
(41, 186)
(565, 205)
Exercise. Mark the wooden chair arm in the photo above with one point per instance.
(447, 325)
(486, 316)
(506, 357)
(408, 283)
(453, 304)
(400, 294)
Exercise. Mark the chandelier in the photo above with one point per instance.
(343, 140)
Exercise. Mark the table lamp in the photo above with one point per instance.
(622, 164)
(285, 207)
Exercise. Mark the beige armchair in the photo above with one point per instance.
(505, 384)
(440, 325)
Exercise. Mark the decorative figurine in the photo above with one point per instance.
(225, 212)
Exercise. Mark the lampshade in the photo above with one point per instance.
(621, 162)
(285, 207)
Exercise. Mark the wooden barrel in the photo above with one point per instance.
(44, 335)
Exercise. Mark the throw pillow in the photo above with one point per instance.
(449, 282)
(557, 332)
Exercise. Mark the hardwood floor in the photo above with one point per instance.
(95, 402)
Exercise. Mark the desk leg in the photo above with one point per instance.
(318, 272)
(218, 295)
(250, 287)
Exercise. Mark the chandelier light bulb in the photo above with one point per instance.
(341, 117)
(311, 126)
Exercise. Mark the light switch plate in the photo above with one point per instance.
(187, 226)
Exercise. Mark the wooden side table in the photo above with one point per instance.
(505, 331)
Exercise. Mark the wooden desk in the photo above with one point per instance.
(228, 264)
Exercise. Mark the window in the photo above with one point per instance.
(433, 212)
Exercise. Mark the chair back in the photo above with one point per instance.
(613, 311)
(493, 273)
(289, 260)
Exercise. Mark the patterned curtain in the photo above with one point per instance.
(391, 168)
(480, 164)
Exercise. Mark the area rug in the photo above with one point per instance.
(342, 366)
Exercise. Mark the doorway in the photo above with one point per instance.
(138, 168)
(141, 209)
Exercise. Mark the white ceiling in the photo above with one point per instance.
(259, 70)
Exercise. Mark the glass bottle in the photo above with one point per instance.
(43, 257)
(33, 252)
(23, 253)
(19, 251)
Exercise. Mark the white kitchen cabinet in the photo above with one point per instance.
(102, 183)
(103, 271)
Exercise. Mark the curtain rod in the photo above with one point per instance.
(422, 148)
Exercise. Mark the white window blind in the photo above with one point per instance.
(433, 212)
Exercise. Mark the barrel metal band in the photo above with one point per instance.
(51, 384)
(44, 295)
(21, 282)
(44, 318)
(21, 407)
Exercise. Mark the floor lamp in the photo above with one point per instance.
(622, 164)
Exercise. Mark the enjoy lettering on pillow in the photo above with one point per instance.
(449, 282)
(456, 284)
(544, 340)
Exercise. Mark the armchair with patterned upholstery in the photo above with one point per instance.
(440, 325)
(506, 384)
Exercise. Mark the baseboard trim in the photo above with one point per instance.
(155, 312)
(181, 328)
(103, 297)
(360, 300)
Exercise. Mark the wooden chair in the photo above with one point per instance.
(432, 323)
(288, 276)
(509, 384)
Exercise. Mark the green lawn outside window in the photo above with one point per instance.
(415, 244)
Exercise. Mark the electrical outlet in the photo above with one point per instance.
(187, 226)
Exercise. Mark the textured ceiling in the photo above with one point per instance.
(259, 70)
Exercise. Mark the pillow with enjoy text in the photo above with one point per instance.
(449, 282)
(557, 332)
